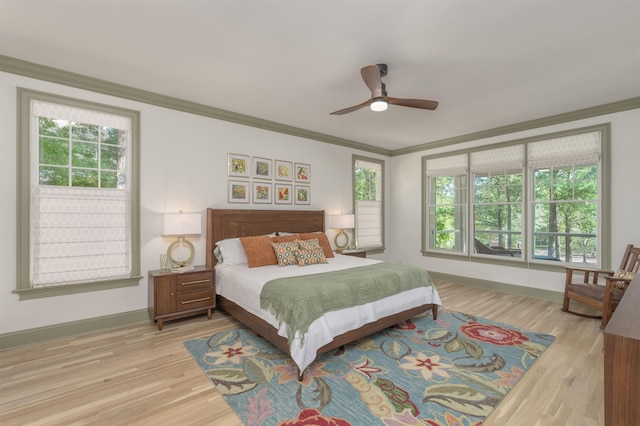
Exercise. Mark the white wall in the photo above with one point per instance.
(183, 167)
(403, 238)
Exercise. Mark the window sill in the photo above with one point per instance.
(61, 290)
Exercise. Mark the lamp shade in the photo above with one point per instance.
(182, 224)
(341, 221)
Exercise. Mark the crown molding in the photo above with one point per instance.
(627, 104)
(79, 81)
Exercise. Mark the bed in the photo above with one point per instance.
(236, 282)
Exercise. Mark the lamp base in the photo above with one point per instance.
(342, 236)
(176, 244)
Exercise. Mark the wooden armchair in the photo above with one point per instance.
(590, 291)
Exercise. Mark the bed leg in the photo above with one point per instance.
(434, 311)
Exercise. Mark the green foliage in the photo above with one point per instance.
(366, 184)
(565, 211)
(79, 154)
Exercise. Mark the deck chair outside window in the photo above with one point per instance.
(600, 289)
(484, 249)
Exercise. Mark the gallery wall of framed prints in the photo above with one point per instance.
(260, 180)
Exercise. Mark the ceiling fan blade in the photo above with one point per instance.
(371, 77)
(351, 109)
(413, 103)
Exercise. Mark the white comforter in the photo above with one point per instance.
(242, 285)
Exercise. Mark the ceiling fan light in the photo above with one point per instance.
(379, 104)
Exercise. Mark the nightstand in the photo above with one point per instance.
(174, 295)
(353, 252)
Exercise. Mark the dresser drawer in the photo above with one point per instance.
(194, 300)
(193, 282)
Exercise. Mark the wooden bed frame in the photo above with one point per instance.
(223, 224)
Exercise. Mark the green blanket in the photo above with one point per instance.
(298, 301)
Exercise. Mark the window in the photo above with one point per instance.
(540, 201)
(78, 196)
(368, 196)
(447, 203)
(498, 197)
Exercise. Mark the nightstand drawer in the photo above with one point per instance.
(194, 300)
(195, 281)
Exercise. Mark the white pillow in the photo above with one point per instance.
(232, 252)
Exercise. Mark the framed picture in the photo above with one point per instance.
(238, 165)
(283, 193)
(303, 172)
(284, 170)
(303, 194)
(261, 193)
(238, 191)
(261, 168)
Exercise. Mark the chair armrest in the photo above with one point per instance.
(615, 282)
(590, 275)
(590, 270)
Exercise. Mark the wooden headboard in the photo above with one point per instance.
(225, 223)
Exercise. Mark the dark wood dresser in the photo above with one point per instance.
(622, 361)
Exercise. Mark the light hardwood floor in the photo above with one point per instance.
(140, 376)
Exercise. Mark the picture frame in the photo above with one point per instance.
(303, 195)
(303, 172)
(238, 191)
(283, 193)
(238, 165)
(262, 168)
(283, 170)
(262, 193)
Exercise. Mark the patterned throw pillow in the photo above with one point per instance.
(322, 239)
(625, 275)
(310, 253)
(286, 253)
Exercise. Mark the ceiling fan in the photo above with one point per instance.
(372, 76)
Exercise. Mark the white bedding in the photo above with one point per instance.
(242, 285)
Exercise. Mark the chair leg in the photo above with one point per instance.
(565, 302)
(606, 316)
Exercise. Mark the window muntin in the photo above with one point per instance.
(516, 203)
(78, 213)
(81, 155)
(368, 180)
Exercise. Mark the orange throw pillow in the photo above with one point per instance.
(259, 251)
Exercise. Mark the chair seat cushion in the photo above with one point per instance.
(595, 291)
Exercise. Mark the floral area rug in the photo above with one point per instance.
(452, 371)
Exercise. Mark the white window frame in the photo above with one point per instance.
(527, 258)
(27, 178)
(369, 215)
